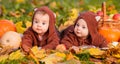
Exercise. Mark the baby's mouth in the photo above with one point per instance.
(39, 29)
(78, 32)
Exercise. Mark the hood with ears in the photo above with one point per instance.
(92, 25)
(52, 20)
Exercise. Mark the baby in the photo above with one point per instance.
(83, 32)
(42, 32)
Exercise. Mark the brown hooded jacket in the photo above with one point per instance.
(94, 38)
(49, 41)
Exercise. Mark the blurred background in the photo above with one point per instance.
(20, 11)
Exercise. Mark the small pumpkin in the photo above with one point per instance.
(11, 39)
(111, 35)
(6, 25)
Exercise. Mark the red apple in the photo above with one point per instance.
(99, 13)
(116, 17)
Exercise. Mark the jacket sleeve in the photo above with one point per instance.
(52, 42)
(26, 41)
(99, 41)
(67, 41)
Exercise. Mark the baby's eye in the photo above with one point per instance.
(83, 27)
(77, 25)
(43, 23)
(36, 21)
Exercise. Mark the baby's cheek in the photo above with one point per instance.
(85, 33)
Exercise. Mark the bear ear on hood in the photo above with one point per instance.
(35, 9)
(54, 15)
(97, 18)
(78, 14)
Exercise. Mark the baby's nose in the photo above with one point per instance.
(39, 25)
(79, 28)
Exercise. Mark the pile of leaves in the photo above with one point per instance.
(41, 56)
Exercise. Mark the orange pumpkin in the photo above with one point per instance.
(111, 35)
(6, 25)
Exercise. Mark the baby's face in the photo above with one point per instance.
(40, 23)
(81, 29)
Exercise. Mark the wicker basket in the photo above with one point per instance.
(110, 28)
(111, 24)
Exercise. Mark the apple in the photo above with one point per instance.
(99, 13)
(116, 17)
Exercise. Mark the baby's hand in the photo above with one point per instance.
(74, 49)
(26, 51)
(61, 48)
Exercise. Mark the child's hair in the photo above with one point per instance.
(41, 12)
(38, 12)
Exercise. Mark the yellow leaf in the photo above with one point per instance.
(28, 24)
(60, 54)
(16, 55)
(3, 57)
(70, 56)
(116, 55)
(39, 53)
(95, 51)
(20, 1)
(19, 27)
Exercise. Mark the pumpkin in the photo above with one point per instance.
(111, 35)
(6, 25)
(11, 39)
